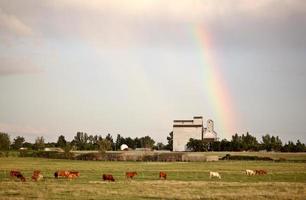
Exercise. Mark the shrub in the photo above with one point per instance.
(241, 157)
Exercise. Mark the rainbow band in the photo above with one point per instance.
(218, 93)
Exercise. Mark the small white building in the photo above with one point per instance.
(183, 130)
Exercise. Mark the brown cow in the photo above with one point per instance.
(108, 177)
(162, 175)
(130, 175)
(67, 174)
(75, 173)
(37, 175)
(17, 174)
(261, 172)
(61, 173)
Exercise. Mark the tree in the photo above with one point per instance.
(197, 145)
(110, 139)
(18, 142)
(236, 143)
(61, 141)
(104, 145)
(146, 142)
(160, 146)
(67, 148)
(300, 147)
(39, 143)
(249, 142)
(170, 141)
(80, 140)
(4, 141)
(119, 142)
(266, 142)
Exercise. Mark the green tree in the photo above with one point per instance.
(104, 145)
(197, 145)
(236, 143)
(4, 141)
(39, 143)
(110, 139)
(300, 147)
(18, 142)
(266, 142)
(147, 142)
(61, 141)
(80, 140)
(170, 141)
(67, 148)
(119, 142)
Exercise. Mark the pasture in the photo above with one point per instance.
(185, 180)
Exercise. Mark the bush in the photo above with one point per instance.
(241, 157)
(170, 157)
(46, 154)
(90, 156)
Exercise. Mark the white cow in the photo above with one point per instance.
(214, 174)
(250, 172)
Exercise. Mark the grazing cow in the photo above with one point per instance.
(18, 175)
(37, 176)
(108, 177)
(261, 172)
(130, 175)
(67, 174)
(72, 176)
(214, 174)
(61, 173)
(249, 172)
(162, 175)
(75, 173)
(14, 173)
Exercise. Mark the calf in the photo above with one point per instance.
(261, 172)
(130, 175)
(162, 175)
(108, 177)
(214, 174)
(37, 176)
(18, 175)
(249, 172)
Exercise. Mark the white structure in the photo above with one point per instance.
(124, 147)
(183, 130)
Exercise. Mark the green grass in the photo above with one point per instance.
(285, 180)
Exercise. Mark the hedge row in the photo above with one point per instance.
(241, 157)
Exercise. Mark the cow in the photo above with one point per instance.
(260, 172)
(75, 173)
(14, 173)
(130, 175)
(162, 175)
(214, 174)
(37, 176)
(108, 177)
(249, 172)
(72, 176)
(62, 173)
(17, 174)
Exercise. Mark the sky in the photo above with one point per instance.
(132, 67)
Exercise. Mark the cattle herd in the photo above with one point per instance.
(37, 176)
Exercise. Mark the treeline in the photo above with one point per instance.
(81, 141)
(84, 141)
(246, 142)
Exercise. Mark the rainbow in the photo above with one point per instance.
(215, 86)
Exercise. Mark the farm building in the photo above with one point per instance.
(183, 130)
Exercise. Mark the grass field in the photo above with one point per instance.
(186, 180)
